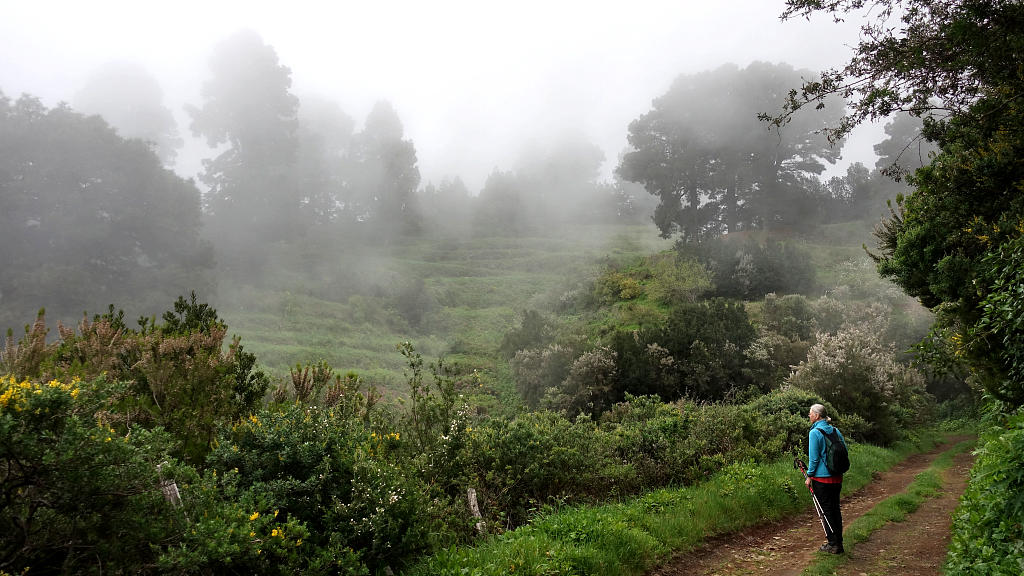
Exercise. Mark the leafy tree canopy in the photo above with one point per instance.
(87, 217)
(958, 64)
(917, 56)
(385, 173)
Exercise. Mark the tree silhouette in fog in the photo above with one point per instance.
(130, 99)
(714, 166)
(88, 218)
(250, 114)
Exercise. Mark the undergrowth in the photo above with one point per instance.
(632, 536)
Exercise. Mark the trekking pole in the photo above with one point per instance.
(799, 465)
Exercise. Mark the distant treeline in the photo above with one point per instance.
(90, 213)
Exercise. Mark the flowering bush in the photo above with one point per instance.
(328, 475)
(236, 530)
(181, 377)
(857, 374)
(77, 495)
(538, 369)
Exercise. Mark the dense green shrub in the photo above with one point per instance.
(541, 458)
(682, 443)
(666, 278)
(988, 527)
(782, 417)
(790, 315)
(786, 327)
(538, 369)
(771, 357)
(78, 494)
(647, 435)
(678, 444)
(996, 342)
(698, 352)
(235, 530)
(308, 464)
(676, 279)
(615, 286)
(534, 331)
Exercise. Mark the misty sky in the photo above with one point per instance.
(473, 81)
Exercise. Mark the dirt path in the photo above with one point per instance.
(786, 547)
(916, 547)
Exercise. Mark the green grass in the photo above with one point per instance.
(633, 536)
(476, 287)
(896, 508)
(344, 309)
(283, 329)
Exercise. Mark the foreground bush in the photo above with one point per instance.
(524, 464)
(749, 268)
(988, 527)
(521, 464)
(329, 496)
(77, 495)
(178, 373)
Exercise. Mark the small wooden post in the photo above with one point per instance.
(475, 509)
(169, 488)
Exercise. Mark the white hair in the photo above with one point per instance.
(820, 411)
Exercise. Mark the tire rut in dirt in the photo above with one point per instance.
(918, 545)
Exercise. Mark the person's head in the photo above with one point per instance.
(817, 412)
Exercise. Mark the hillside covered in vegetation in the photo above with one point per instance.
(361, 374)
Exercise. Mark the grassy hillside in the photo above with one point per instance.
(448, 297)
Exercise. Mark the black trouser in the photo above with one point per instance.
(828, 497)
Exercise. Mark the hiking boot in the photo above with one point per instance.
(832, 548)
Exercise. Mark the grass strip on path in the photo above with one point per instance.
(896, 508)
(630, 538)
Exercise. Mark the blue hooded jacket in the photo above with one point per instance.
(816, 442)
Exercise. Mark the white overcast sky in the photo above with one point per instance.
(473, 81)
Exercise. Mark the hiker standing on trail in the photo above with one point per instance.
(822, 482)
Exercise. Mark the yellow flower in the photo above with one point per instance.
(9, 397)
(254, 516)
